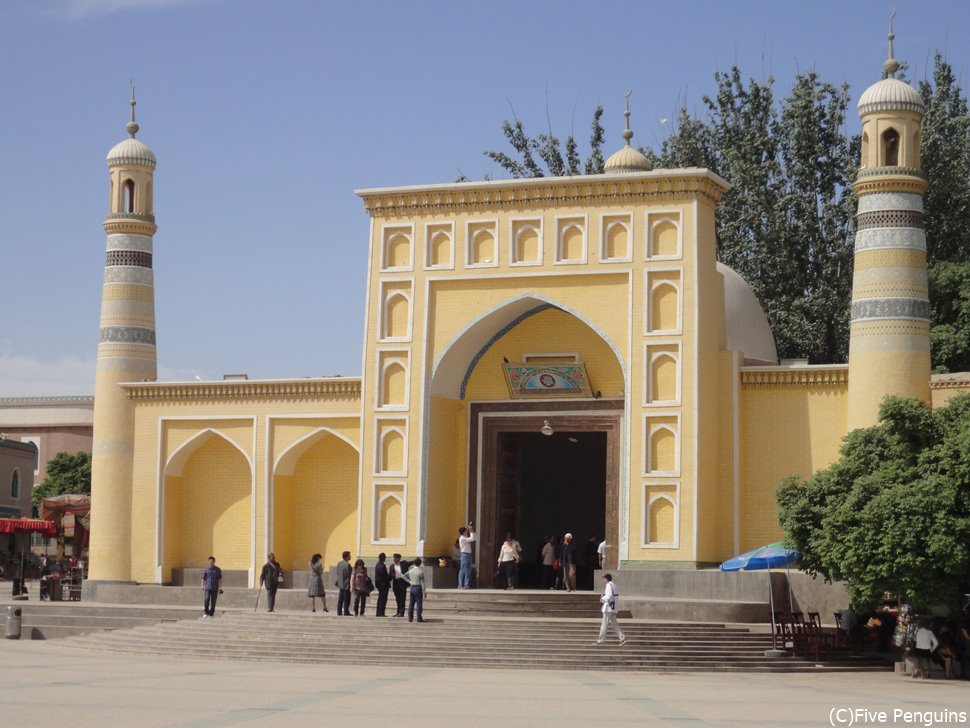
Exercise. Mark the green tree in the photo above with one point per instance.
(893, 513)
(945, 160)
(949, 284)
(67, 473)
(548, 148)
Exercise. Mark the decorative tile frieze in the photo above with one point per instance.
(890, 308)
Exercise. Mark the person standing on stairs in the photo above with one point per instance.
(270, 579)
(382, 580)
(344, 572)
(415, 577)
(610, 598)
(315, 585)
(211, 588)
(398, 583)
(466, 537)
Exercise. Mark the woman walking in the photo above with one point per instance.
(361, 586)
(315, 587)
(507, 559)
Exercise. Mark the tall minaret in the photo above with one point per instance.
(126, 352)
(889, 344)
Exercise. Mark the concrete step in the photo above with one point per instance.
(495, 643)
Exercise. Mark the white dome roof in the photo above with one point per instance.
(745, 322)
(627, 159)
(131, 151)
(890, 94)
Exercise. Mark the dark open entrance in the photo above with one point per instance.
(551, 485)
(533, 484)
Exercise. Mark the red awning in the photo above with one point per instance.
(28, 525)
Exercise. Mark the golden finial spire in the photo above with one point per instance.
(628, 132)
(132, 126)
(891, 65)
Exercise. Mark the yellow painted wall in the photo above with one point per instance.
(208, 510)
(785, 430)
(315, 509)
(447, 473)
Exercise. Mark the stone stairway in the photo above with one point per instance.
(470, 642)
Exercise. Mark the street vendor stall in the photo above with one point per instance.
(16, 566)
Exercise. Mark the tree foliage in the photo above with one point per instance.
(67, 473)
(893, 513)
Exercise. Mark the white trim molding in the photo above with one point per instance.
(648, 500)
(564, 223)
(655, 219)
(431, 231)
(607, 223)
(389, 233)
(475, 228)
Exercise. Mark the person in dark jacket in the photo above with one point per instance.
(567, 557)
(344, 572)
(270, 579)
(382, 581)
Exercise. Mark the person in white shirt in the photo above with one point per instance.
(601, 553)
(925, 645)
(466, 537)
(610, 598)
(398, 583)
(507, 559)
(415, 577)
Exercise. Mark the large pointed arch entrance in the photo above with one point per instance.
(517, 479)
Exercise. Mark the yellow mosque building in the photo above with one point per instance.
(540, 356)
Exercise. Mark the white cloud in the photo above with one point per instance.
(21, 376)
(80, 9)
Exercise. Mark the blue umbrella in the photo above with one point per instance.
(774, 555)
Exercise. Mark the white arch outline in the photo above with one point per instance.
(654, 287)
(608, 224)
(404, 363)
(564, 227)
(379, 464)
(525, 226)
(392, 235)
(653, 431)
(651, 501)
(378, 505)
(190, 446)
(473, 244)
(651, 379)
(385, 319)
(655, 221)
(448, 230)
(539, 299)
(274, 472)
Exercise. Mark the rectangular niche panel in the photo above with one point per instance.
(616, 238)
(526, 241)
(440, 246)
(395, 323)
(661, 515)
(481, 242)
(391, 446)
(664, 237)
(662, 373)
(571, 239)
(397, 250)
(661, 451)
(394, 379)
(663, 301)
(390, 509)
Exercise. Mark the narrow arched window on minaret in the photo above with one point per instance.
(129, 202)
(890, 148)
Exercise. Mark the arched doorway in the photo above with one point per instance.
(518, 479)
(314, 496)
(208, 485)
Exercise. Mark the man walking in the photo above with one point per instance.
(567, 558)
(415, 577)
(344, 570)
(382, 580)
(398, 583)
(270, 578)
(211, 588)
(466, 537)
(610, 598)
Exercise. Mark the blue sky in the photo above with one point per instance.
(266, 115)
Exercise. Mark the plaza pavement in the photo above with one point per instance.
(48, 684)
